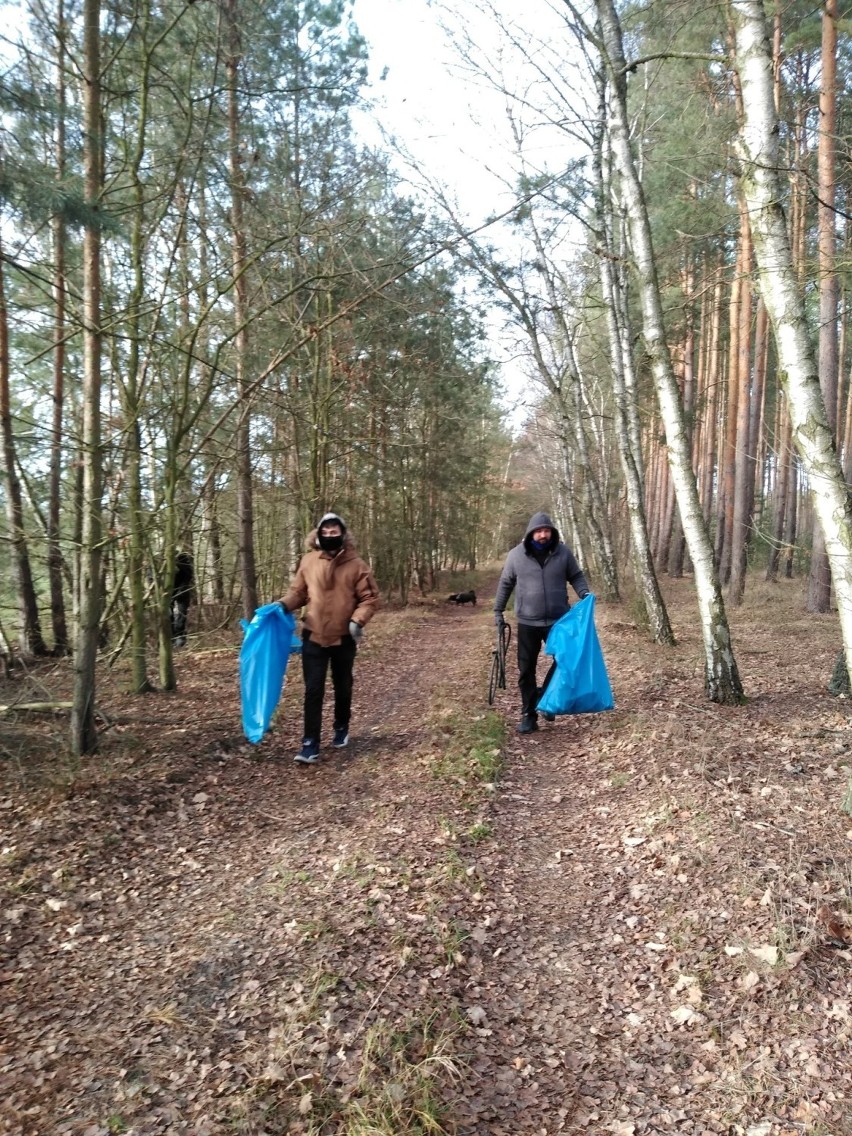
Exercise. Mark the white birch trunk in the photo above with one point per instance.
(614, 306)
(722, 679)
(758, 146)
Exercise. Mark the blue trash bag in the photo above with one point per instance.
(579, 684)
(268, 642)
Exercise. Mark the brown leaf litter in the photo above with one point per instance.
(643, 927)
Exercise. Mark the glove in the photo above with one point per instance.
(499, 621)
(355, 630)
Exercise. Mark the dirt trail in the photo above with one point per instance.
(161, 925)
(200, 937)
(662, 866)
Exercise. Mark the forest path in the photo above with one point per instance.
(201, 937)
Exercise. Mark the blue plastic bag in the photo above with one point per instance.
(268, 642)
(579, 684)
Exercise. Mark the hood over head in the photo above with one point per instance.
(541, 521)
(312, 541)
(332, 519)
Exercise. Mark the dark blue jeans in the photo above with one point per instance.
(530, 641)
(315, 664)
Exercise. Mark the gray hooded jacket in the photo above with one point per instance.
(541, 595)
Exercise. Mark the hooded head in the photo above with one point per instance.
(330, 533)
(540, 521)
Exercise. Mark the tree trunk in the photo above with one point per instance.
(83, 732)
(571, 410)
(711, 410)
(594, 506)
(741, 504)
(722, 679)
(654, 497)
(791, 522)
(847, 434)
(758, 144)
(564, 383)
(669, 504)
(819, 580)
(31, 641)
(756, 461)
(58, 228)
(783, 477)
(245, 497)
(131, 387)
(677, 552)
(631, 388)
(728, 463)
(643, 564)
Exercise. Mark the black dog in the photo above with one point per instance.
(462, 598)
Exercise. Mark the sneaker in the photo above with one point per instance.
(341, 737)
(528, 724)
(309, 753)
(548, 717)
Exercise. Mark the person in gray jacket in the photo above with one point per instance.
(538, 571)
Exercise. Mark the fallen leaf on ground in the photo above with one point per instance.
(768, 954)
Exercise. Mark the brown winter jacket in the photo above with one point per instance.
(336, 589)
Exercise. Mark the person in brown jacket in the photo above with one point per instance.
(340, 596)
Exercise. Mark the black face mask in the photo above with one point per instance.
(330, 543)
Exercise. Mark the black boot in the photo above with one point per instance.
(528, 724)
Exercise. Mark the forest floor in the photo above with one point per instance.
(632, 922)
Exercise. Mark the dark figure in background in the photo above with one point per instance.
(538, 571)
(183, 592)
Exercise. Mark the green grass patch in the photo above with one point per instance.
(399, 1090)
(479, 831)
(452, 936)
(406, 1070)
(285, 880)
(473, 747)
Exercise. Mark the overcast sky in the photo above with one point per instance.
(453, 125)
(454, 122)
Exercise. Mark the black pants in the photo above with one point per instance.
(315, 661)
(180, 609)
(530, 641)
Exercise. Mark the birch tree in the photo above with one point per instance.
(722, 680)
(615, 307)
(761, 184)
(551, 338)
